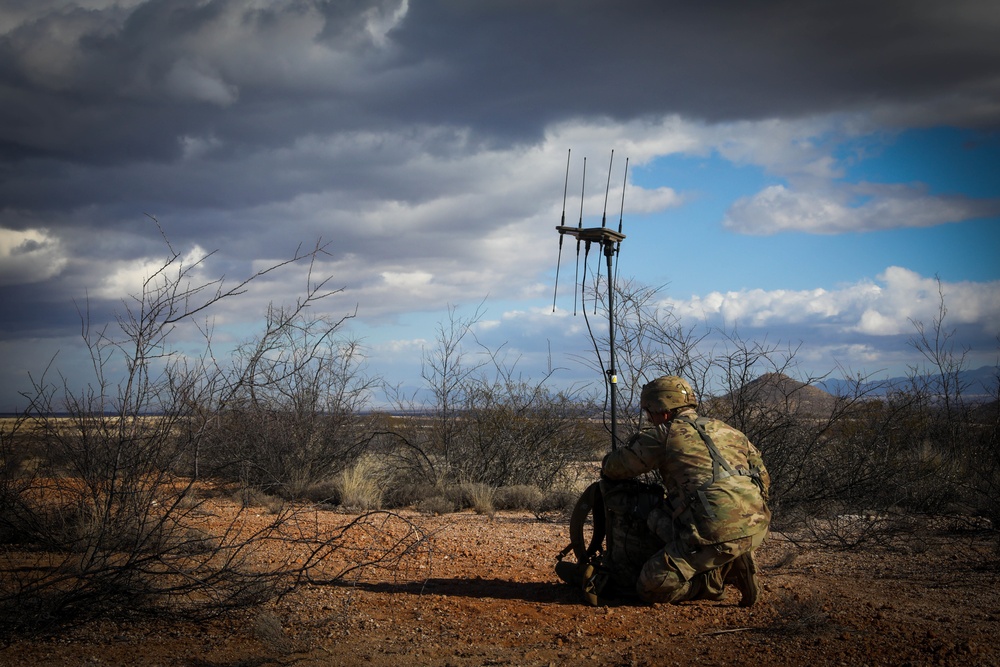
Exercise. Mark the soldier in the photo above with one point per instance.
(716, 511)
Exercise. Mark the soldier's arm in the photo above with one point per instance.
(640, 456)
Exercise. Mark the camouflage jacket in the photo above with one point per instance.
(711, 500)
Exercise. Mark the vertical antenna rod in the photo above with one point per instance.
(562, 221)
(604, 222)
(621, 213)
(583, 189)
(607, 189)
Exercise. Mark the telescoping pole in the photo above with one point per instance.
(609, 252)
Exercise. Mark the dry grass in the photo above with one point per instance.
(268, 629)
(481, 497)
(360, 486)
(801, 615)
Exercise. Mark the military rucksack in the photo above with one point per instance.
(619, 543)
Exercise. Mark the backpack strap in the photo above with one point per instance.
(721, 469)
(591, 501)
(720, 466)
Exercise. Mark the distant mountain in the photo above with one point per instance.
(784, 393)
(978, 385)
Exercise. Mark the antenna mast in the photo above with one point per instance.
(610, 241)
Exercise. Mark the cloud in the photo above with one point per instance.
(798, 149)
(407, 282)
(779, 209)
(124, 80)
(29, 256)
(468, 220)
(864, 327)
(716, 63)
(461, 221)
(886, 307)
(125, 279)
(189, 80)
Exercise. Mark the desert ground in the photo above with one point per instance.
(481, 590)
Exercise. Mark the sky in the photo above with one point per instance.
(808, 173)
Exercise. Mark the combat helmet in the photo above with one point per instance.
(669, 392)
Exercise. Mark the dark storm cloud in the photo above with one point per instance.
(84, 90)
(23, 315)
(125, 82)
(526, 63)
(96, 85)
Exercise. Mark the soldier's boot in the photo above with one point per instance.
(571, 573)
(743, 575)
(594, 581)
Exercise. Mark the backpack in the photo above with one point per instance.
(733, 504)
(620, 541)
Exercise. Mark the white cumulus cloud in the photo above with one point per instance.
(886, 307)
(29, 256)
(126, 278)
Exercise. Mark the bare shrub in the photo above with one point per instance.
(107, 521)
(323, 492)
(369, 545)
(290, 412)
(529, 498)
(960, 433)
(487, 424)
(853, 529)
(558, 500)
(513, 432)
(248, 496)
(519, 497)
(401, 493)
(439, 504)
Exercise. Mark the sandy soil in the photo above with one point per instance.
(484, 592)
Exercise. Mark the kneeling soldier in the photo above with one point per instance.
(716, 511)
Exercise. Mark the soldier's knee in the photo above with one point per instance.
(660, 581)
(672, 589)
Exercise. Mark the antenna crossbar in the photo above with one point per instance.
(592, 234)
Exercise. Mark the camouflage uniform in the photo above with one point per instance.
(713, 512)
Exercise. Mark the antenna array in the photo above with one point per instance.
(610, 242)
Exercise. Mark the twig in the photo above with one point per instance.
(722, 632)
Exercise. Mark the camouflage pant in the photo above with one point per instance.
(676, 574)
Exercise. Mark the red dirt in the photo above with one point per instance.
(488, 595)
